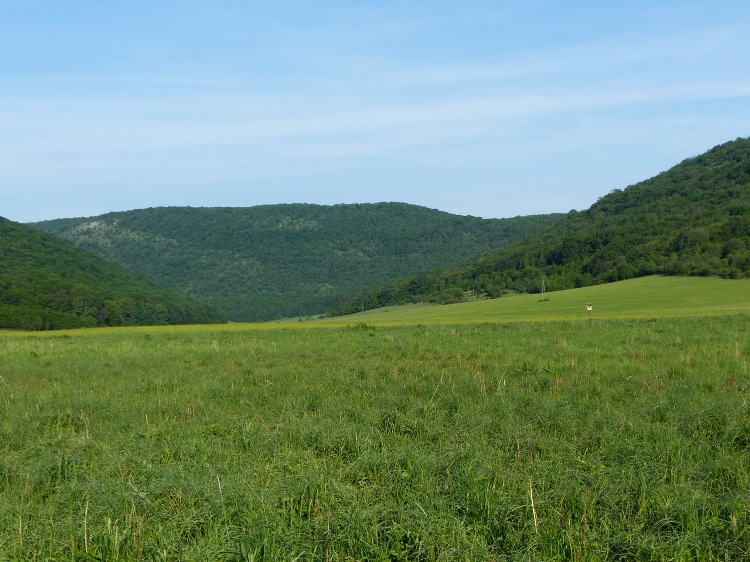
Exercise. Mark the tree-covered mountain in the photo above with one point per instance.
(47, 283)
(266, 262)
(693, 219)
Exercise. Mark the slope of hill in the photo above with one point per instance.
(693, 219)
(653, 297)
(271, 261)
(47, 283)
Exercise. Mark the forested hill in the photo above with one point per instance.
(266, 262)
(693, 219)
(47, 283)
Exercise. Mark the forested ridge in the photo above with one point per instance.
(47, 283)
(271, 261)
(693, 219)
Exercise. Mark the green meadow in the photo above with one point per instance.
(644, 297)
(510, 429)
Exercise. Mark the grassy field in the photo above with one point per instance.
(623, 436)
(645, 297)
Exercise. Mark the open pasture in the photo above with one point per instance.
(589, 439)
(644, 297)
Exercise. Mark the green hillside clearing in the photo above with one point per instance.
(645, 297)
(693, 219)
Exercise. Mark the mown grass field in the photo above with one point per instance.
(517, 436)
(645, 297)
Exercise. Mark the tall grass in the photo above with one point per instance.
(362, 442)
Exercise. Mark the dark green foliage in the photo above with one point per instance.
(47, 283)
(693, 219)
(274, 261)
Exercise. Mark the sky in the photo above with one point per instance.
(485, 108)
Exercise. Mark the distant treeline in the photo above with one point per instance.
(29, 308)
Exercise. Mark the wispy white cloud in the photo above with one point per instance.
(360, 101)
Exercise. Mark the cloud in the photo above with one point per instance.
(476, 97)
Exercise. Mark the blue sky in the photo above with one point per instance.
(491, 109)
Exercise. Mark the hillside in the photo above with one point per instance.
(266, 262)
(47, 283)
(646, 298)
(693, 219)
